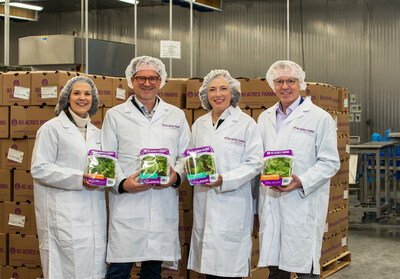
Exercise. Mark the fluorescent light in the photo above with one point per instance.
(24, 6)
(130, 1)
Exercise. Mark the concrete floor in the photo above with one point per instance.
(375, 252)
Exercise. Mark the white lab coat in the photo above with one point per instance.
(223, 216)
(71, 219)
(144, 226)
(292, 224)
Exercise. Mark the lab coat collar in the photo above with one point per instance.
(298, 112)
(231, 119)
(72, 129)
(161, 109)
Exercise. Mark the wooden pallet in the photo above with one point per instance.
(336, 264)
(333, 265)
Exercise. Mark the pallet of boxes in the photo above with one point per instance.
(334, 252)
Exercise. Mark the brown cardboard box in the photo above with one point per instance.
(196, 275)
(258, 273)
(335, 179)
(14, 272)
(104, 86)
(22, 209)
(335, 197)
(189, 116)
(192, 93)
(3, 249)
(25, 121)
(23, 186)
(197, 113)
(174, 92)
(182, 266)
(255, 252)
(334, 115)
(326, 250)
(24, 250)
(335, 98)
(343, 99)
(4, 122)
(320, 94)
(343, 146)
(247, 111)
(255, 113)
(256, 93)
(5, 185)
(12, 79)
(185, 196)
(185, 226)
(344, 170)
(97, 119)
(35, 273)
(338, 220)
(124, 91)
(20, 145)
(343, 123)
(1, 217)
(53, 81)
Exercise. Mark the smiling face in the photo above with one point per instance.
(147, 91)
(287, 89)
(219, 95)
(80, 99)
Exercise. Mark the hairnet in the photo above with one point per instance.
(66, 91)
(145, 63)
(234, 84)
(286, 68)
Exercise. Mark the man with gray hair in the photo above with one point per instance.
(144, 218)
(292, 217)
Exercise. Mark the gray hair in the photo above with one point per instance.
(286, 68)
(66, 91)
(234, 85)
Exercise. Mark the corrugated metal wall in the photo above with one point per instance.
(346, 43)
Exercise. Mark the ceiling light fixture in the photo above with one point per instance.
(130, 1)
(24, 6)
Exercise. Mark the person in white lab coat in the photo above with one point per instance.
(223, 210)
(144, 218)
(292, 217)
(70, 213)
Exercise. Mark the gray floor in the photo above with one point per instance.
(375, 252)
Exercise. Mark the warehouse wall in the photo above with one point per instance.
(345, 43)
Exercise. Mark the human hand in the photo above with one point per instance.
(293, 185)
(172, 179)
(216, 183)
(86, 183)
(132, 186)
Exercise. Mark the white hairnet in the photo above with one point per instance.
(145, 63)
(66, 91)
(286, 68)
(234, 84)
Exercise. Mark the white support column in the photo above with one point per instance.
(6, 33)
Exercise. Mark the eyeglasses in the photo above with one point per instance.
(142, 80)
(290, 82)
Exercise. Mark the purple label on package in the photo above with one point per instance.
(276, 182)
(152, 151)
(198, 150)
(102, 153)
(279, 152)
(200, 181)
(98, 181)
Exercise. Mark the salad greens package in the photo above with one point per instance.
(277, 168)
(154, 166)
(102, 165)
(200, 165)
